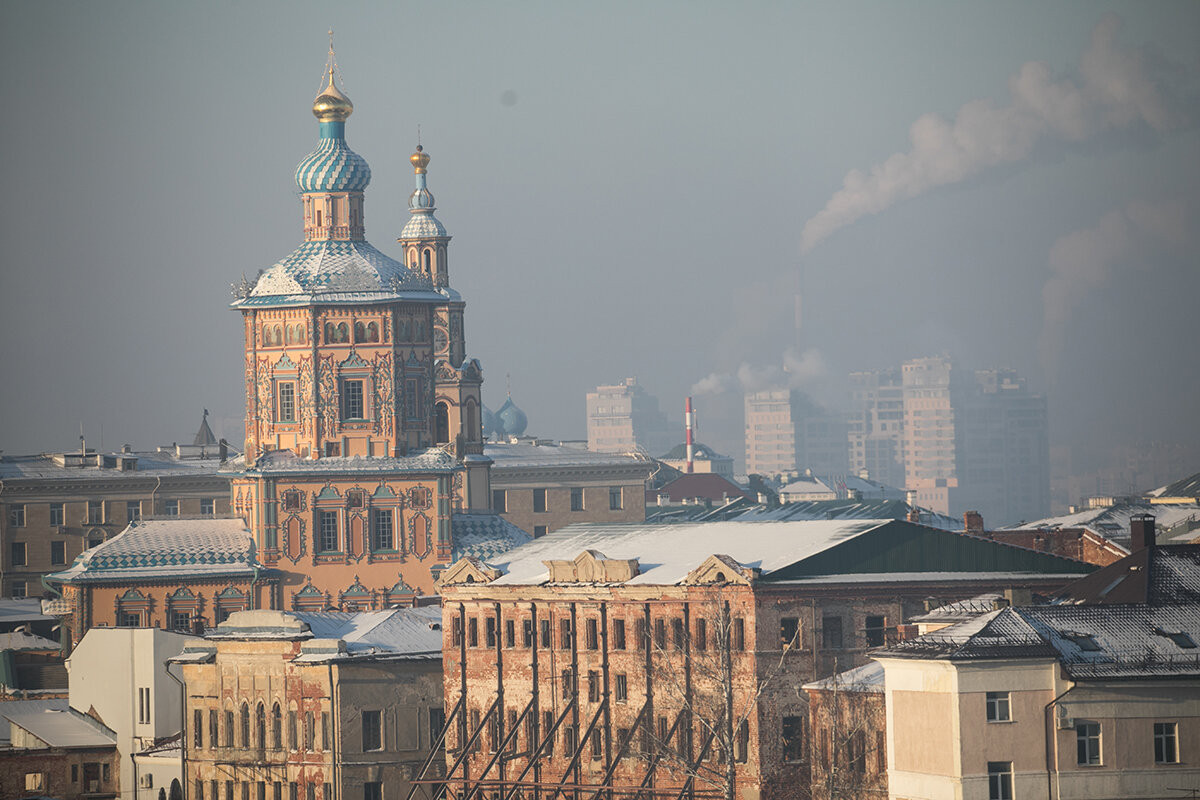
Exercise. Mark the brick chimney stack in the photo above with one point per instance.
(973, 523)
(1141, 532)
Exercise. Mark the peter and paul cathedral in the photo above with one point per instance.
(363, 475)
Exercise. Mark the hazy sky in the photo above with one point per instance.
(633, 189)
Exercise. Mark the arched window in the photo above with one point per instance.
(245, 725)
(412, 258)
(276, 728)
(441, 433)
(260, 727)
(428, 259)
(309, 730)
(176, 790)
(471, 412)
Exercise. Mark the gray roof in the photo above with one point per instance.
(1092, 642)
(55, 723)
(506, 456)
(848, 509)
(1112, 522)
(153, 464)
(397, 633)
(14, 611)
(485, 536)
(21, 640)
(285, 462)
(163, 548)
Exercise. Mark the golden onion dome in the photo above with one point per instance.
(332, 105)
(420, 160)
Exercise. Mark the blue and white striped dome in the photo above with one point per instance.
(333, 166)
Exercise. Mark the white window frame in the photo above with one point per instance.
(999, 707)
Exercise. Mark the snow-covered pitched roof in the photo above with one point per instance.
(485, 536)
(667, 553)
(55, 723)
(848, 509)
(149, 464)
(163, 548)
(23, 640)
(1092, 642)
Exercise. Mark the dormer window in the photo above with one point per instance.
(1181, 639)
(1085, 641)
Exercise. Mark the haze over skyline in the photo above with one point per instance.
(632, 190)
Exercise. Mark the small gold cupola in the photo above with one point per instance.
(332, 104)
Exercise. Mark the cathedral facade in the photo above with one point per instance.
(363, 411)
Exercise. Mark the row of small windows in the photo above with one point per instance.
(98, 514)
(383, 532)
(372, 790)
(229, 730)
(645, 636)
(500, 499)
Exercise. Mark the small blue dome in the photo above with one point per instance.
(489, 421)
(333, 166)
(511, 419)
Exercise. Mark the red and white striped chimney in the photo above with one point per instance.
(689, 422)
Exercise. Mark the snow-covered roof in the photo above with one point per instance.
(163, 548)
(867, 678)
(18, 610)
(285, 462)
(1112, 522)
(408, 632)
(527, 456)
(1091, 641)
(848, 509)
(667, 553)
(485, 536)
(23, 640)
(55, 723)
(151, 464)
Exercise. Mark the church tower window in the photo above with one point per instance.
(442, 424)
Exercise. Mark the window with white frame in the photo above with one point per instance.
(1000, 780)
(133, 510)
(998, 707)
(16, 515)
(1087, 743)
(172, 508)
(57, 514)
(208, 506)
(1166, 743)
(614, 498)
(577, 499)
(382, 536)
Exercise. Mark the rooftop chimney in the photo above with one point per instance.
(689, 425)
(1141, 531)
(973, 523)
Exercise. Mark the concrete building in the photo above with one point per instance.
(625, 418)
(787, 433)
(599, 656)
(704, 459)
(541, 486)
(974, 441)
(57, 505)
(875, 425)
(119, 676)
(313, 705)
(1047, 701)
(48, 749)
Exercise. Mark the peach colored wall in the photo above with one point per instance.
(286, 538)
(921, 732)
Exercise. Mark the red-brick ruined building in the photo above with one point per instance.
(665, 660)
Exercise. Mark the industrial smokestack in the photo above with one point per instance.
(689, 424)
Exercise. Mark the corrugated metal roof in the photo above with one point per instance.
(525, 456)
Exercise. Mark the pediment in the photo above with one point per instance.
(468, 570)
(719, 568)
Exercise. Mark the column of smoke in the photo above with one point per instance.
(1114, 89)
